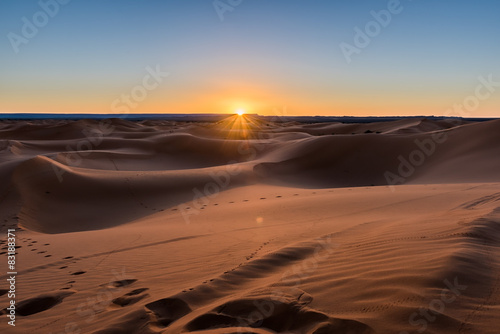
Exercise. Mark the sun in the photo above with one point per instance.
(240, 112)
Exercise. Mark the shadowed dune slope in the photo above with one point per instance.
(59, 199)
(137, 169)
(467, 153)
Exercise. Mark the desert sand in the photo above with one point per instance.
(251, 226)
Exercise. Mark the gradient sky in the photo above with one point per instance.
(266, 56)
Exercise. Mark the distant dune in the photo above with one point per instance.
(245, 225)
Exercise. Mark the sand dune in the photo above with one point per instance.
(246, 226)
(463, 154)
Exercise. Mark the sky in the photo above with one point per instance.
(285, 57)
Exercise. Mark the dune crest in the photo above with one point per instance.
(252, 226)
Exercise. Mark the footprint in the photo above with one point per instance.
(130, 298)
(168, 310)
(67, 257)
(40, 303)
(48, 255)
(78, 273)
(136, 291)
(289, 315)
(212, 320)
(125, 282)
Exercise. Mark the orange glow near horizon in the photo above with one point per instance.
(248, 100)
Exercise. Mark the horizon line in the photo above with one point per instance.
(25, 115)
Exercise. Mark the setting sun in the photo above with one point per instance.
(240, 112)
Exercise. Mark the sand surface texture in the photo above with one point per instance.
(245, 226)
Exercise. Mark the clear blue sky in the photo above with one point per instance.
(264, 55)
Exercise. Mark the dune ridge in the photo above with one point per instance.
(250, 226)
